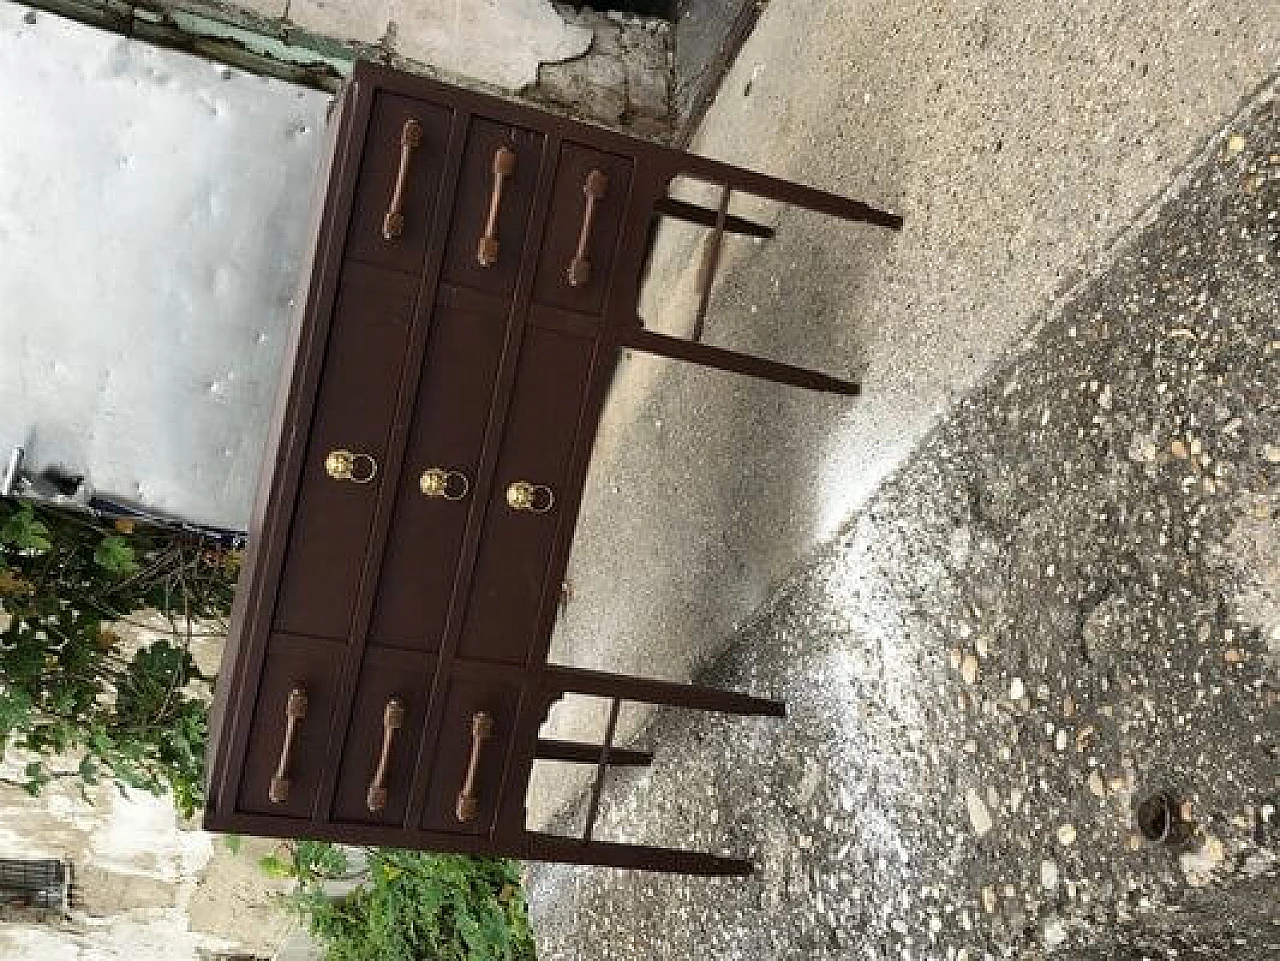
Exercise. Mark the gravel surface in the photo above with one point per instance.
(1067, 601)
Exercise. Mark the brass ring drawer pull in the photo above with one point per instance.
(410, 141)
(468, 800)
(535, 498)
(504, 165)
(344, 465)
(392, 721)
(294, 711)
(452, 485)
(595, 187)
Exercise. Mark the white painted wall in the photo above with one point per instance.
(152, 216)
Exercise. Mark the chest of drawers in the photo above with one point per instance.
(474, 277)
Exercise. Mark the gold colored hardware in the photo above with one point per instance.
(523, 496)
(344, 465)
(295, 710)
(410, 141)
(504, 165)
(468, 801)
(392, 721)
(435, 482)
(595, 187)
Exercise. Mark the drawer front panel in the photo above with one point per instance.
(354, 409)
(475, 739)
(399, 185)
(490, 220)
(452, 412)
(511, 568)
(588, 202)
(383, 737)
(285, 756)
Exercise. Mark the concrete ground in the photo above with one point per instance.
(1021, 142)
(1066, 600)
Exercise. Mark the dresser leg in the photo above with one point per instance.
(558, 680)
(719, 358)
(549, 847)
(693, 214)
(784, 191)
(579, 752)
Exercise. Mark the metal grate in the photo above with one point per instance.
(32, 884)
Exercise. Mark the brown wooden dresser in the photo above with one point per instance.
(475, 274)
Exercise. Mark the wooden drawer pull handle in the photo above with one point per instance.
(595, 187)
(504, 165)
(468, 802)
(392, 721)
(295, 710)
(410, 141)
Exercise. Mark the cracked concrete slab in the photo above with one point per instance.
(1019, 145)
(1054, 609)
(500, 42)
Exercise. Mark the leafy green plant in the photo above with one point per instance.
(410, 905)
(69, 687)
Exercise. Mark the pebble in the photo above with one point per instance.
(1068, 706)
(1017, 690)
(989, 899)
(969, 669)
(1096, 785)
(1055, 933)
(1048, 875)
(1272, 453)
(1060, 740)
(979, 816)
(1067, 835)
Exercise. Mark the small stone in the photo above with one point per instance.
(955, 656)
(1235, 144)
(1067, 835)
(969, 669)
(1272, 453)
(1017, 690)
(1179, 449)
(1055, 933)
(1060, 740)
(970, 746)
(1233, 655)
(1068, 706)
(935, 925)
(982, 645)
(1082, 737)
(989, 899)
(1135, 842)
(979, 816)
(1015, 799)
(1048, 874)
(1096, 785)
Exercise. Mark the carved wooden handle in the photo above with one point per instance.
(594, 187)
(410, 141)
(468, 802)
(392, 721)
(295, 710)
(504, 165)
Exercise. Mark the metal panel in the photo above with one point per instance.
(153, 216)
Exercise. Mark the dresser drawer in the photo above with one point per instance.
(489, 225)
(292, 716)
(587, 206)
(354, 410)
(399, 184)
(470, 758)
(450, 417)
(383, 737)
(529, 497)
